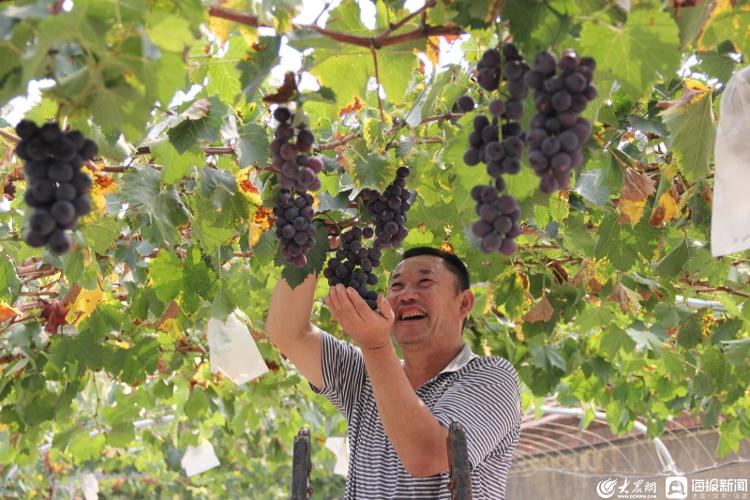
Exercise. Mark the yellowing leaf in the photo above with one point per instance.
(262, 222)
(631, 211)
(7, 312)
(103, 184)
(223, 27)
(432, 51)
(696, 85)
(588, 277)
(628, 299)
(667, 209)
(84, 305)
(170, 320)
(542, 311)
(447, 247)
(246, 185)
(637, 186)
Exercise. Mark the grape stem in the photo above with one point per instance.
(336, 143)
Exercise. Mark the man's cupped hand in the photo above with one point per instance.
(370, 329)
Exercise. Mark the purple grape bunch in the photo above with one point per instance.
(295, 168)
(561, 92)
(297, 174)
(499, 143)
(57, 187)
(294, 226)
(354, 263)
(498, 224)
(389, 210)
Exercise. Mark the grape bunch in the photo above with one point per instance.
(297, 173)
(498, 223)
(57, 187)
(557, 131)
(294, 227)
(295, 168)
(389, 210)
(499, 143)
(354, 263)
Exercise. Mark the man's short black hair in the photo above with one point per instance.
(452, 262)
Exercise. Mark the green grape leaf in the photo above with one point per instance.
(693, 132)
(166, 276)
(10, 285)
(202, 124)
(737, 352)
(175, 164)
(635, 54)
(253, 147)
(84, 447)
(258, 64)
(102, 233)
(672, 263)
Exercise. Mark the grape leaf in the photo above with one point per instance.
(203, 128)
(175, 164)
(728, 22)
(166, 276)
(9, 282)
(252, 146)
(693, 132)
(102, 233)
(257, 66)
(635, 54)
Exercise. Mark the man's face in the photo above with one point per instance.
(422, 294)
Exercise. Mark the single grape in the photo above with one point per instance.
(466, 103)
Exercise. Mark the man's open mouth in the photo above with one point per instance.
(412, 316)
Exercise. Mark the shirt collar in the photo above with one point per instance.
(461, 360)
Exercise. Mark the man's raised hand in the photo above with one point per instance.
(370, 329)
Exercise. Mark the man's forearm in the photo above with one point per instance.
(416, 435)
(290, 308)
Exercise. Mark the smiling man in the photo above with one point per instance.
(399, 411)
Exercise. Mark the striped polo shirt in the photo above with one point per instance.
(482, 393)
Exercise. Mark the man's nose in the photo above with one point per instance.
(407, 294)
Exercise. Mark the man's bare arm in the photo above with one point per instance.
(416, 435)
(288, 327)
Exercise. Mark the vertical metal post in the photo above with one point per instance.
(458, 462)
(301, 466)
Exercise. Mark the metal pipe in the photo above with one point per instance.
(661, 449)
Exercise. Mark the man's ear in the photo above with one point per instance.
(467, 302)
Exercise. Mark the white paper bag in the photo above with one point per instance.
(340, 447)
(89, 486)
(199, 459)
(233, 351)
(730, 215)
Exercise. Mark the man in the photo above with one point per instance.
(399, 412)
